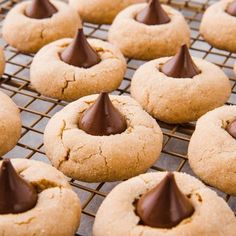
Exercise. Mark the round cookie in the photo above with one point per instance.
(146, 42)
(100, 11)
(211, 150)
(218, 27)
(57, 210)
(93, 158)
(29, 34)
(10, 124)
(54, 78)
(116, 216)
(180, 99)
(2, 61)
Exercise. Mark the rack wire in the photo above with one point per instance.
(36, 110)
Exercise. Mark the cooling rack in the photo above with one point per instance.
(36, 110)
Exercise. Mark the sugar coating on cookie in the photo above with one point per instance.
(10, 128)
(141, 41)
(57, 211)
(211, 150)
(218, 27)
(100, 11)
(116, 216)
(29, 35)
(179, 100)
(93, 158)
(54, 78)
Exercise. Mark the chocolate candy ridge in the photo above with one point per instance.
(16, 194)
(102, 118)
(164, 206)
(153, 14)
(231, 128)
(181, 65)
(231, 8)
(40, 9)
(79, 53)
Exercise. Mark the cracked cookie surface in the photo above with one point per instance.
(179, 100)
(214, 161)
(140, 41)
(57, 211)
(218, 27)
(100, 11)
(10, 124)
(116, 216)
(102, 158)
(54, 78)
(29, 35)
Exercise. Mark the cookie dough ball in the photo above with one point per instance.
(96, 158)
(53, 77)
(10, 124)
(180, 95)
(100, 11)
(141, 41)
(218, 27)
(30, 34)
(2, 61)
(118, 216)
(57, 210)
(211, 150)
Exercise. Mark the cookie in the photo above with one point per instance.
(30, 33)
(36, 200)
(100, 11)
(144, 41)
(2, 61)
(10, 124)
(113, 152)
(218, 26)
(119, 213)
(211, 150)
(53, 77)
(180, 93)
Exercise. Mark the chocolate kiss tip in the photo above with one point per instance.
(181, 65)
(164, 206)
(16, 194)
(40, 9)
(231, 8)
(102, 118)
(79, 53)
(153, 14)
(231, 128)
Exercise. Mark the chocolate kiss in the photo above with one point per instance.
(102, 118)
(153, 14)
(79, 53)
(231, 128)
(231, 9)
(16, 194)
(40, 9)
(165, 206)
(181, 65)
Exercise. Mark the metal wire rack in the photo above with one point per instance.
(36, 110)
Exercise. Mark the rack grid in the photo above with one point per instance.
(36, 110)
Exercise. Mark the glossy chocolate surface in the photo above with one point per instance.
(164, 206)
(181, 65)
(231, 8)
(40, 9)
(16, 194)
(231, 128)
(102, 118)
(153, 14)
(79, 53)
